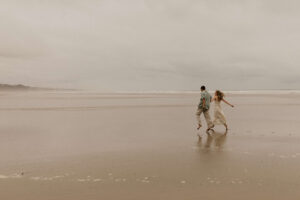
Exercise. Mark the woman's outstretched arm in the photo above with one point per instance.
(227, 102)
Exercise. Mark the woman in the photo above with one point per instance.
(219, 114)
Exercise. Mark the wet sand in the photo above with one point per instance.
(75, 145)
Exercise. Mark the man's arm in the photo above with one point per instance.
(203, 103)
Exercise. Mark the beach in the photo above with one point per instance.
(131, 146)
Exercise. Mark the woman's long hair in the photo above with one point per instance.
(219, 95)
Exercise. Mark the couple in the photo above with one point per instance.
(203, 107)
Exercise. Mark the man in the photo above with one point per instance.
(203, 107)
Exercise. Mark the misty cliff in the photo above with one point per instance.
(19, 87)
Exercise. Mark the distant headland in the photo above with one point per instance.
(21, 87)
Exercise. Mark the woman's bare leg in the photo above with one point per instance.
(226, 127)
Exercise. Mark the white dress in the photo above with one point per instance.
(219, 114)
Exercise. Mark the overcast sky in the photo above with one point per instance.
(115, 45)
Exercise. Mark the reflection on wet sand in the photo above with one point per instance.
(214, 140)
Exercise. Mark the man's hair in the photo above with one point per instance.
(202, 87)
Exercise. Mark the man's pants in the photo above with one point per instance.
(206, 115)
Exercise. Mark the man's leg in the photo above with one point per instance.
(208, 120)
(198, 113)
